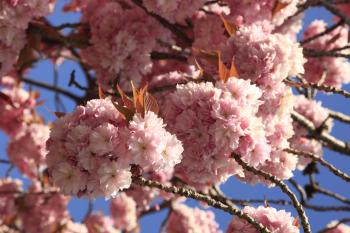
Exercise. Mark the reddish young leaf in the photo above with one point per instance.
(101, 95)
(151, 104)
(209, 56)
(278, 7)
(59, 114)
(223, 71)
(7, 99)
(126, 100)
(230, 27)
(296, 222)
(233, 71)
(126, 113)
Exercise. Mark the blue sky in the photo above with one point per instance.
(44, 71)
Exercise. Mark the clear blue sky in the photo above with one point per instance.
(233, 188)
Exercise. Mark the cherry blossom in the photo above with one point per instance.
(98, 223)
(335, 227)
(278, 221)
(123, 212)
(212, 122)
(184, 219)
(82, 143)
(16, 109)
(27, 149)
(330, 71)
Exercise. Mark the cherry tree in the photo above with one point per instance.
(179, 97)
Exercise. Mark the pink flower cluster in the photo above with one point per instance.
(274, 57)
(120, 49)
(212, 122)
(330, 71)
(98, 223)
(123, 212)
(39, 210)
(174, 11)
(27, 149)
(276, 221)
(43, 211)
(13, 32)
(184, 219)
(8, 207)
(250, 12)
(318, 115)
(15, 109)
(91, 149)
(335, 227)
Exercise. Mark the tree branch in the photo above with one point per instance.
(329, 166)
(52, 88)
(186, 192)
(328, 140)
(283, 187)
(325, 32)
(328, 89)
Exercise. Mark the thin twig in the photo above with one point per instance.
(88, 211)
(334, 195)
(328, 89)
(283, 187)
(4, 161)
(327, 139)
(316, 53)
(329, 166)
(190, 193)
(172, 27)
(52, 88)
(325, 32)
(333, 9)
(339, 116)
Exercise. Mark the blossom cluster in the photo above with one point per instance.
(314, 112)
(27, 132)
(13, 32)
(327, 70)
(91, 150)
(41, 210)
(336, 227)
(184, 219)
(274, 220)
(213, 122)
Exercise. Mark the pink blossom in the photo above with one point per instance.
(15, 112)
(174, 11)
(123, 212)
(97, 223)
(249, 12)
(7, 202)
(44, 211)
(306, 145)
(314, 112)
(12, 32)
(184, 219)
(152, 147)
(274, 56)
(330, 71)
(27, 149)
(72, 227)
(113, 178)
(88, 154)
(212, 122)
(276, 221)
(120, 50)
(337, 228)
